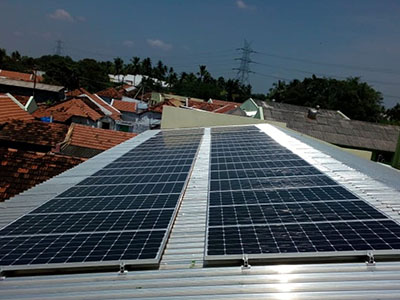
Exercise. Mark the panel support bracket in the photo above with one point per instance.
(122, 270)
(246, 265)
(370, 259)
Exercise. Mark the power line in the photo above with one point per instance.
(271, 76)
(362, 68)
(324, 74)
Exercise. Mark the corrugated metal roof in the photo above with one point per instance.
(27, 84)
(181, 273)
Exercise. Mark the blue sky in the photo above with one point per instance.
(293, 38)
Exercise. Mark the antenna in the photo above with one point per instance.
(59, 47)
(244, 68)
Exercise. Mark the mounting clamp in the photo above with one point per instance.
(122, 270)
(246, 265)
(370, 259)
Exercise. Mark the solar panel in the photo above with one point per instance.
(124, 212)
(267, 203)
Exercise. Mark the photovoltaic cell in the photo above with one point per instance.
(265, 201)
(123, 212)
(133, 202)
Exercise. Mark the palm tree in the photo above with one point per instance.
(135, 66)
(118, 66)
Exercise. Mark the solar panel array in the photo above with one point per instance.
(265, 201)
(124, 212)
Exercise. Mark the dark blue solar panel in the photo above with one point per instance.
(264, 199)
(132, 202)
(123, 212)
(80, 248)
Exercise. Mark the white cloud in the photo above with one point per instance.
(62, 15)
(243, 5)
(128, 43)
(159, 44)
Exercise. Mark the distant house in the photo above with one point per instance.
(28, 102)
(76, 110)
(23, 169)
(111, 116)
(134, 80)
(28, 154)
(87, 142)
(24, 84)
(330, 126)
(109, 94)
(29, 77)
(32, 135)
(33, 151)
(11, 108)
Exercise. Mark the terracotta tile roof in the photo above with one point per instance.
(81, 92)
(20, 76)
(65, 110)
(170, 102)
(96, 138)
(33, 132)
(75, 93)
(211, 107)
(124, 105)
(110, 93)
(21, 170)
(222, 102)
(203, 105)
(226, 108)
(22, 99)
(10, 110)
(115, 114)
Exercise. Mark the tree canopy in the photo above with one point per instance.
(93, 75)
(354, 98)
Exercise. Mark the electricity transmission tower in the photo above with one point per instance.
(59, 47)
(244, 69)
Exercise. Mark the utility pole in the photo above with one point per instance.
(245, 60)
(59, 47)
(34, 81)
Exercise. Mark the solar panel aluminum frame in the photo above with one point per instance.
(306, 257)
(75, 267)
(299, 257)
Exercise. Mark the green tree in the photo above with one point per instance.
(355, 99)
(135, 66)
(146, 67)
(393, 114)
(118, 66)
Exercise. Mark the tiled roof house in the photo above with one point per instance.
(21, 169)
(84, 141)
(32, 135)
(112, 115)
(27, 155)
(124, 106)
(20, 76)
(23, 84)
(77, 110)
(11, 108)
